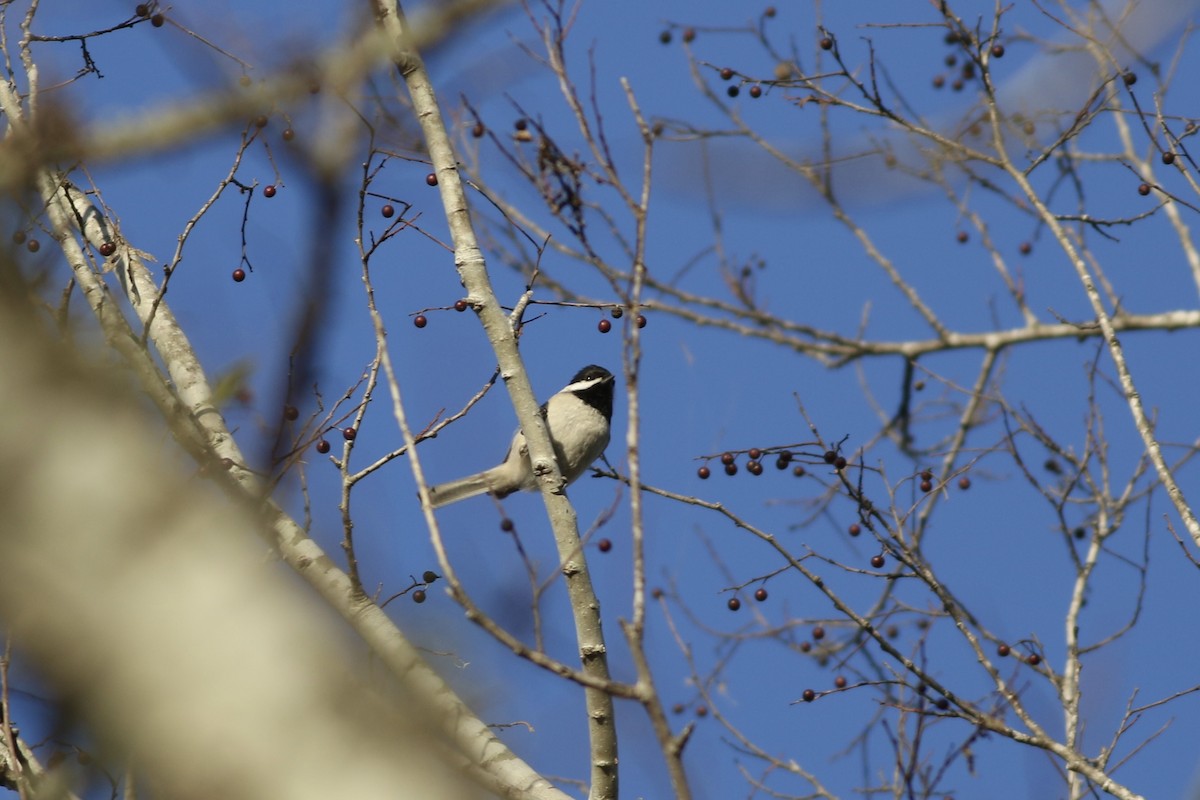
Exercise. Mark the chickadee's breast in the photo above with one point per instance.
(579, 432)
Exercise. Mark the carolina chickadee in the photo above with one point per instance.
(578, 420)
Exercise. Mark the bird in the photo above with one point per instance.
(577, 417)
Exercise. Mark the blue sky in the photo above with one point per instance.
(703, 391)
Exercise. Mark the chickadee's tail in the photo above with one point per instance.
(452, 491)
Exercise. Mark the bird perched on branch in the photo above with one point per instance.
(578, 418)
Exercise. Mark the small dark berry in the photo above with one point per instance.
(419, 596)
(727, 458)
(18, 237)
(239, 275)
(1143, 189)
(107, 249)
(689, 35)
(997, 51)
(665, 37)
(760, 595)
(731, 469)
(1168, 157)
(1003, 651)
(641, 321)
(291, 413)
(839, 463)
(963, 237)
(964, 483)
(951, 38)
(420, 321)
(288, 134)
(268, 191)
(726, 73)
(703, 472)
(754, 453)
(322, 446)
(855, 529)
(1080, 533)
(840, 681)
(678, 708)
(617, 312)
(506, 525)
(460, 306)
(431, 179)
(521, 124)
(951, 60)
(429, 576)
(809, 695)
(733, 91)
(1130, 78)
(754, 467)
(830, 456)
(805, 646)
(604, 545)
(826, 43)
(756, 91)
(142, 10)
(734, 604)
(926, 475)
(1025, 248)
(769, 12)
(957, 85)
(942, 704)
(388, 211)
(1034, 659)
(349, 434)
(656, 593)
(818, 633)
(261, 121)
(604, 326)
(877, 562)
(478, 130)
(33, 245)
(926, 486)
(968, 70)
(701, 711)
(798, 470)
(158, 20)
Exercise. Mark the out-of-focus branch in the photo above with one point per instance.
(173, 126)
(150, 610)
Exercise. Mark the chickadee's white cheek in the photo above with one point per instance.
(582, 386)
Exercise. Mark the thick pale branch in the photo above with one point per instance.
(473, 273)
